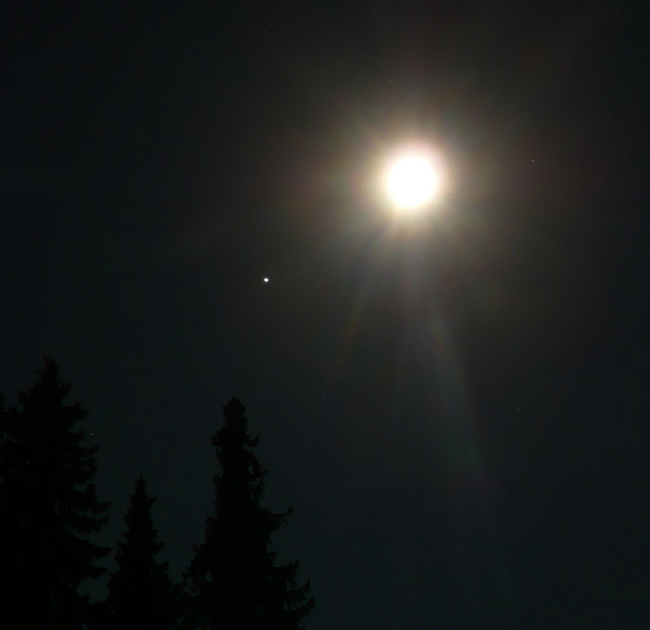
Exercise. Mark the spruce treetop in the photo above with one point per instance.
(234, 579)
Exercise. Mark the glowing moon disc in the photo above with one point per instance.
(412, 181)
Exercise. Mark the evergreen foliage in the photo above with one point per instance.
(234, 581)
(140, 592)
(49, 511)
(49, 508)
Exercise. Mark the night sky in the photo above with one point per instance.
(456, 407)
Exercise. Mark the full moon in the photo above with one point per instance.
(412, 180)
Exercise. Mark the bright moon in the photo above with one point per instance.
(412, 181)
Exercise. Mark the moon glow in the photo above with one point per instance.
(412, 180)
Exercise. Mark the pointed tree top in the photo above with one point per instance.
(234, 410)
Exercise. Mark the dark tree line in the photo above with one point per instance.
(49, 511)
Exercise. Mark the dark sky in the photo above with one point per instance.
(458, 413)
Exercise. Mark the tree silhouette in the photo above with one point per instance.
(234, 581)
(49, 508)
(140, 592)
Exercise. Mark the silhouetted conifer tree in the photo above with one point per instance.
(48, 507)
(233, 579)
(140, 592)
